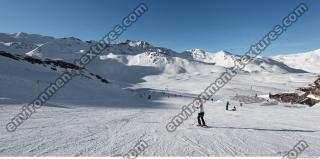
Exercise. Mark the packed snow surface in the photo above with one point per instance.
(99, 127)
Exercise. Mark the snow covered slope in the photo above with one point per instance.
(309, 61)
(103, 123)
(22, 79)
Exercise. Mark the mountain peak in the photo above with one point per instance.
(223, 52)
(136, 43)
(196, 53)
(197, 50)
(20, 35)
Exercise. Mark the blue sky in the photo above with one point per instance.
(212, 25)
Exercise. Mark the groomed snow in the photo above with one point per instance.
(62, 128)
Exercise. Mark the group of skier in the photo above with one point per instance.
(234, 107)
(200, 118)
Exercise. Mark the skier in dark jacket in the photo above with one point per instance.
(227, 105)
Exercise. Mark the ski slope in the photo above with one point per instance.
(62, 129)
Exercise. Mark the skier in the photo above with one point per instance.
(234, 108)
(149, 97)
(270, 95)
(200, 116)
(227, 105)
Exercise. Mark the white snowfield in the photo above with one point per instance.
(89, 118)
(307, 61)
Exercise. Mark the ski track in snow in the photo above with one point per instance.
(107, 132)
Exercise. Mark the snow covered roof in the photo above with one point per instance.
(312, 96)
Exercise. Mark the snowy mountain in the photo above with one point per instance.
(309, 61)
(227, 59)
(23, 77)
(55, 65)
(135, 53)
(123, 64)
(221, 58)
